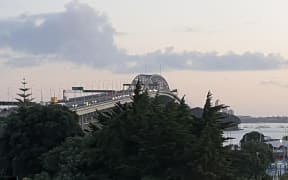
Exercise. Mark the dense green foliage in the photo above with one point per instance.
(284, 177)
(32, 131)
(147, 141)
(253, 137)
(253, 158)
(285, 138)
(144, 140)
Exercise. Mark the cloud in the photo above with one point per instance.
(213, 61)
(192, 29)
(124, 33)
(79, 34)
(84, 36)
(274, 83)
(196, 29)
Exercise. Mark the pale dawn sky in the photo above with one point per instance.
(236, 49)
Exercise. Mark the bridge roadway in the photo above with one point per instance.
(86, 109)
(87, 112)
(82, 110)
(86, 106)
(9, 103)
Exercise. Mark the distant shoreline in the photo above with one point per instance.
(273, 119)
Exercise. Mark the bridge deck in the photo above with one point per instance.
(9, 103)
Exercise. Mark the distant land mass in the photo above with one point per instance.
(227, 117)
(272, 119)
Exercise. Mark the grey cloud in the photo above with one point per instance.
(23, 62)
(28, 60)
(209, 61)
(79, 34)
(84, 36)
(5, 55)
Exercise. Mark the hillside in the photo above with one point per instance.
(228, 117)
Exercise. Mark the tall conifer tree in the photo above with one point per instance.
(24, 95)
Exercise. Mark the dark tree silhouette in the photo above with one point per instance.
(32, 131)
(24, 97)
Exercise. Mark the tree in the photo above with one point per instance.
(64, 162)
(252, 136)
(253, 158)
(212, 162)
(32, 131)
(284, 177)
(144, 140)
(147, 140)
(285, 138)
(24, 95)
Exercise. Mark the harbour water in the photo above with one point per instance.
(272, 130)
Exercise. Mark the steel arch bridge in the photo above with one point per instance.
(151, 82)
(86, 106)
(154, 84)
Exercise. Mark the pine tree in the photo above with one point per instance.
(137, 91)
(212, 163)
(24, 96)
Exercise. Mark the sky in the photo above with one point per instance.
(235, 49)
